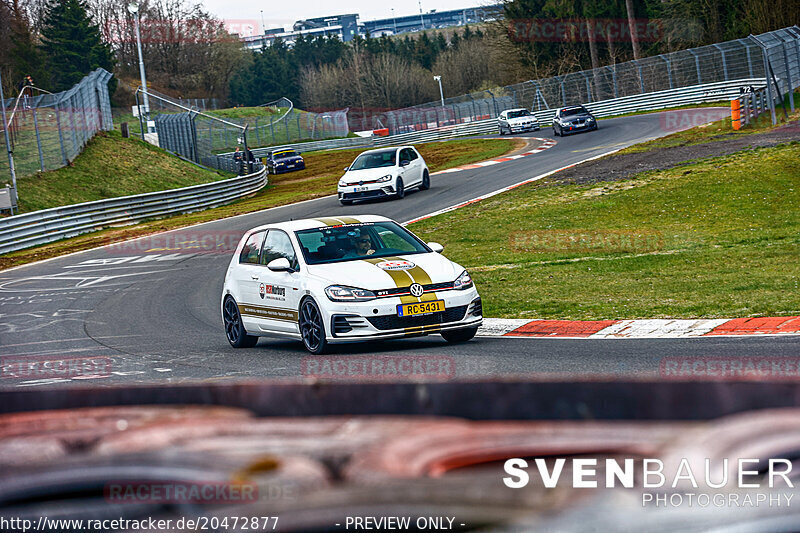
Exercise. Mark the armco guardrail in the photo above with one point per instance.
(40, 227)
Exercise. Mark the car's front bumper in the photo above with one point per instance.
(378, 319)
(373, 191)
(523, 129)
(586, 126)
(280, 169)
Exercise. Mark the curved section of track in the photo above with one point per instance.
(137, 313)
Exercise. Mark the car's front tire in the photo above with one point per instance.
(555, 132)
(312, 327)
(502, 131)
(459, 335)
(400, 189)
(346, 202)
(426, 181)
(234, 328)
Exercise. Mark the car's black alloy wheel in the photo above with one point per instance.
(400, 188)
(312, 329)
(426, 181)
(234, 329)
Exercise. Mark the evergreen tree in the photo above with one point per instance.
(72, 45)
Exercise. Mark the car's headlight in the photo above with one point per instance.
(590, 119)
(342, 183)
(464, 281)
(341, 293)
(386, 178)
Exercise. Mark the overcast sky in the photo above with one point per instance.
(283, 13)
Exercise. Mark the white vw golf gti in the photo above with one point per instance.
(385, 172)
(344, 279)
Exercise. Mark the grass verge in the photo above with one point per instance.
(110, 166)
(718, 238)
(319, 179)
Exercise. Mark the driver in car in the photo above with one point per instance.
(361, 245)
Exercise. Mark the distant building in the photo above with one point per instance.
(346, 27)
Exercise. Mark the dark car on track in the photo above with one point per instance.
(573, 119)
(281, 161)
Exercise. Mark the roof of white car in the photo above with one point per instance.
(321, 222)
(516, 109)
(384, 148)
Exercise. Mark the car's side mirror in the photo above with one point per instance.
(346, 169)
(280, 264)
(436, 247)
(405, 163)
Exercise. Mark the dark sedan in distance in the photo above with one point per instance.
(573, 119)
(281, 161)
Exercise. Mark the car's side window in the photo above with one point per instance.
(412, 154)
(404, 156)
(278, 245)
(249, 253)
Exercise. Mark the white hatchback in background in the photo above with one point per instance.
(384, 172)
(517, 121)
(344, 279)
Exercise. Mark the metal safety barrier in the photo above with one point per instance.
(48, 225)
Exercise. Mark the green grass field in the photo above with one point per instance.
(110, 166)
(719, 238)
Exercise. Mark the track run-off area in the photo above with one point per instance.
(138, 313)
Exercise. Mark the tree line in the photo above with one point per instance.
(189, 54)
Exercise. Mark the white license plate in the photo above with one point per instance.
(360, 189)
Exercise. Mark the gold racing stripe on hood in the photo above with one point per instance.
(404, 278)
(349, 220)
(332, 221)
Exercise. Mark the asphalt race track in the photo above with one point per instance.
(154, 315)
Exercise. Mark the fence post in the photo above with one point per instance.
(60, 134)
(749, 60)
(588, 86)
(788, 75)
(614, 79)
(38, 138)
(641, 78)
(770, 97)
(724, 62)
(696, 65)
(8, 141)
(669, 70)
(563, 91)
(494, 103)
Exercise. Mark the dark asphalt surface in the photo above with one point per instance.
(148, 315)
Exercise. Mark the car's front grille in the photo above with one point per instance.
(384, 322)
(402, 291)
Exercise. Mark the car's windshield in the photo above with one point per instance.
(573, 111)
(382, 158)
(284, 153)
(333, 244)
(519, 113)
